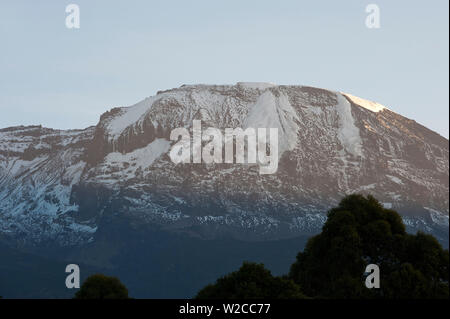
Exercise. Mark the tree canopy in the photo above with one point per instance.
(251, 281)
(99, 286)
(360, 231)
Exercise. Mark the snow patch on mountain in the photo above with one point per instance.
(371, 106)
(143, 157)
(128, 116)
(348, 133)
(395, 179)
(275, 112)
(256, 85)
(128, 164)
(438, 217)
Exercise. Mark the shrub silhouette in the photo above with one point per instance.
(99, 286)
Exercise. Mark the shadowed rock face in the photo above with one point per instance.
(57, 186)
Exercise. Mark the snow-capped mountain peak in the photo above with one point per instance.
(58, 185)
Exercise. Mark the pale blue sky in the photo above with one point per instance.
(126, 51)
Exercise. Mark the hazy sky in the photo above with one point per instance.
(124, 52)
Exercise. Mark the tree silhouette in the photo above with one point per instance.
(249, 282)
(360, 231)
(99, 286)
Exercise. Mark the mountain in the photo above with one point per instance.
(111, 199)
(57, 186)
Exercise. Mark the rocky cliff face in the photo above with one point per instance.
(57, 185)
